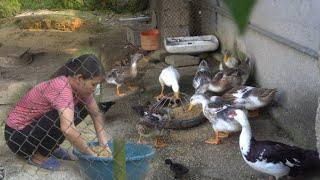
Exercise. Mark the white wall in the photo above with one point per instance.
(279, 66)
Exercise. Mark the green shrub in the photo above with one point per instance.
(41, 4)
(9, 7)
(133, 6)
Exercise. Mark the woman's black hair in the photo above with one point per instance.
(88, 65)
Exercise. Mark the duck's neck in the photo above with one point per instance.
(215, 87)
(204, 103)
(134, 68)
(175, 86)
(245, 138)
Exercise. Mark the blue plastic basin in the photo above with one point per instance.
(137, 162)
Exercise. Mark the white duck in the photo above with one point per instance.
(216, 112)
(169, 76)
(273, 158)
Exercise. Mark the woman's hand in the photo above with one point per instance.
(102, 151)
(107, 148)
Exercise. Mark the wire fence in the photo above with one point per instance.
(186, 18)
(59, 115)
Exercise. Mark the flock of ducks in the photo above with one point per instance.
(227, 113)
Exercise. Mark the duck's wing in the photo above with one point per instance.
(276, 152)
(238, 92)
(264, 93)
(200, 78)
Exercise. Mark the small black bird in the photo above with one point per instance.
(178, 169)
(105, 106)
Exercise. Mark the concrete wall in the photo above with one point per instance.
(317, 127)
(279, 66)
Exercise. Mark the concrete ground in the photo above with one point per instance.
(205, 161)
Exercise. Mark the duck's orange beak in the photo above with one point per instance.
(226, 58)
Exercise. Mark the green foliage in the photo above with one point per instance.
(9, 7)
(133, 6)
(41, 4)
(119, 156)
(87, 50)
(241, 11)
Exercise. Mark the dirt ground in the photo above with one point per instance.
(96, 34)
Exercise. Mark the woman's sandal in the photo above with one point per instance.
(51, 164)
(63, 154)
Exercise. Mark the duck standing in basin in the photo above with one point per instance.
(228, 61)
(202, 76)
(250, 98)
(169, 76)
(151, 123)
(229, 78)
(217, 114)
(124, 74)
(274, 158)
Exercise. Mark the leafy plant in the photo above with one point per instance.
(9, 7)
(44, 4)
(119, 156)
(241, 11)
(133, 6)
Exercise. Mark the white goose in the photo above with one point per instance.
(169, 76)
(273, 158)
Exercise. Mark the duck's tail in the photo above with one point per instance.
(203, 66)
(248, 65)
(139, 110)
(269, 95)
(105, 106)
(311, 166)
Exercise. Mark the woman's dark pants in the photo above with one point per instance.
(43, 135)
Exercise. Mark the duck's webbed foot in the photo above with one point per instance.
(160, 96)
(159, 143)
(118, 93)
(132, 87)
(254, 114)
(214, 140)
(223, 134)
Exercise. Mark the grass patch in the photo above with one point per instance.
(9, 7)
(41, 4)
(87, 50)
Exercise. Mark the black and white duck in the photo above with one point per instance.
(152, 123)
(202, 75)
(216, 112)
(250, 98)
(228, 78)
(169, 76)
(273, 158)
(229, 61)
(124, 74)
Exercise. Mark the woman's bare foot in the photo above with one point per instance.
(38, 158)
